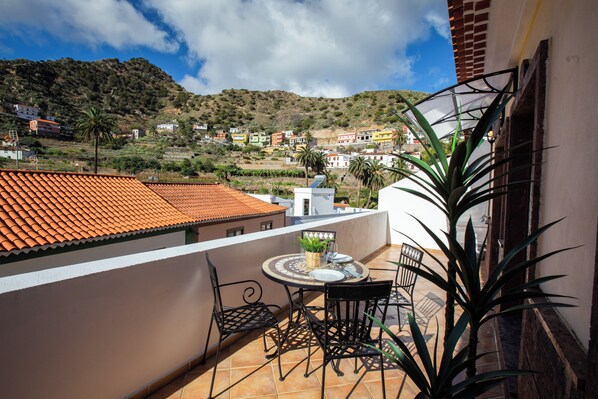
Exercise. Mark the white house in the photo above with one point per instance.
(338, 161)
(170, 127)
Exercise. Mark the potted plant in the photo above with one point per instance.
(314, 248)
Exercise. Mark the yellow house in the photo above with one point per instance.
(383, 136)
(240, 138)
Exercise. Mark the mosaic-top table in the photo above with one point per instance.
(290, 270)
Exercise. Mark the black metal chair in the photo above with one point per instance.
(253, 315)
(404, 283)
(346, 330)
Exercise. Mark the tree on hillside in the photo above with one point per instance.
(374, 178)
(95, 125)
(357, 167)
(320, 162)
(306, 158)
(308, 138)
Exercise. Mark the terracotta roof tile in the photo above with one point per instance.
(41, 209)
(213, 202)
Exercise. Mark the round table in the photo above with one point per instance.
(290, 270)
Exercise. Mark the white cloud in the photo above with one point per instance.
(113, 22)
(328, 48)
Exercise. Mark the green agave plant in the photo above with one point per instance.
(313, 244)
(479, 299)
(454, 185)
(437, 380)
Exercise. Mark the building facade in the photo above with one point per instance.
(550, 44)
(44, 128)
(26, 112)
(346, 138)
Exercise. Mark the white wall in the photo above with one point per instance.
(88, 254)
(109, 328)
(321, 201)
(400, 205)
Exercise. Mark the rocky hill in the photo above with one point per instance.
(140, 94)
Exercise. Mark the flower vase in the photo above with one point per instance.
(312, 260)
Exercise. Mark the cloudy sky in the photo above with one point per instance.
(330, 48)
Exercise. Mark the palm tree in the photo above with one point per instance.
(331, 180)
(306, 158)
(96, 125)
(308, 138)
(374, 178)
(397, 164)
(357, 168)
(320, 162)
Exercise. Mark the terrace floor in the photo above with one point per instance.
(244, 372)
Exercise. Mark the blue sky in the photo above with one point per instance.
(330, 48)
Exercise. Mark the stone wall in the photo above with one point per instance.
(548, 347)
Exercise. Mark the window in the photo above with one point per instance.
(305, 207)
(237, 231)
(266, 225)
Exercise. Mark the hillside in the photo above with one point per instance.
(140, 94)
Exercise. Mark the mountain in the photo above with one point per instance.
(139, 94)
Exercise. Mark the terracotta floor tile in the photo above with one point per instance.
(249, 355)
(311, 394)
(295, 380)
(250, 382)
(352, 391)
(173, 390)
(197, 386)
(395, 388)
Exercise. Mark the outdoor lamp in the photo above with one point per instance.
(490, 137)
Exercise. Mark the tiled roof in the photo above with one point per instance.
(47, 209)
(213, 202)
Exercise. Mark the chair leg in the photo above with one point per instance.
(323, 376)
(215, 366)
(264, 338)
(399, 317)
(205, 350)
(279, 349)
(382, 375)
(308, 355)
(355, 368)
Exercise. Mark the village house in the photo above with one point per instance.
(277, 139)
(260, 139)
(346, 138)
(44, 128)
(338, 161)
(26, 112)
(220, 211)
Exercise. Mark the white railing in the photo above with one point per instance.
(117, 327)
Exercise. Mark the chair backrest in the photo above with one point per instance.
(409, 256)
(218, 311)
(321, 234)
(348, 304)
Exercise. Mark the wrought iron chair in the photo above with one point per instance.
(404, 283)
(253, 315)
(321, 234)
(346, 330)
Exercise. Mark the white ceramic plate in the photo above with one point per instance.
(342, 258)
(326, 275)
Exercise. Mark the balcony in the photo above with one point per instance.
(135, 326)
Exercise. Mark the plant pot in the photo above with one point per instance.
(312, 260)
